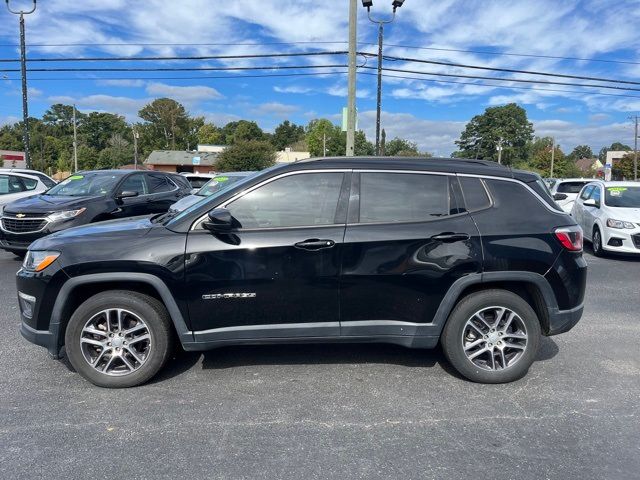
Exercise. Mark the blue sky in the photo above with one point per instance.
(429, 113)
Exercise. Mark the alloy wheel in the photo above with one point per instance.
(596, 241)
(115, 342)
(494, 338)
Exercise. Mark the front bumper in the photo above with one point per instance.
(621, 240)
(561, 321)
(44, 338)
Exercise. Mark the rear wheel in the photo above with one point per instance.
(596, 242)
(492, 337)
(119, 339)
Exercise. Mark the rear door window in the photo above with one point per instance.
(29, 183)
(403, 197)
(10, 184)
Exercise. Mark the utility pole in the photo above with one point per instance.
(324, 144)
(635, 149)
(368, 4)
(75, 141)
(553, 155)
(499, 148)
(23, 70)
(351, 101)
(135, 149)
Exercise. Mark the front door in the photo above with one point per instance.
(277, 274)
(132, 206)
(407, 241)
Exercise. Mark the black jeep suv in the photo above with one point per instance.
(88, 197)
(416, 252)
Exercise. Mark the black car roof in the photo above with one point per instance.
(435, 164)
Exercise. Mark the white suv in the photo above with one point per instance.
(609, 214)
(566, 191)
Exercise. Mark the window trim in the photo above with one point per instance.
(197, 225)
(357, 198)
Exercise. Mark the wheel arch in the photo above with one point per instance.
(78, 289)
(532, 287)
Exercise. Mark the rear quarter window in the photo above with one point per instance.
(475, 194)
(515, 199)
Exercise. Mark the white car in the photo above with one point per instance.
(609, 214)
(15, 185)
(44, 178)
(566, 191)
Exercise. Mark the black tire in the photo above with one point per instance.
(596, 243)
(452, 336)
(154, 315)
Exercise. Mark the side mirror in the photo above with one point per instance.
(219, 221)
(560, 196)
(127, 194)
(590, 203)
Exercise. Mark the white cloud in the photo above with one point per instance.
(125, 106)
(9, 120)
(121, 83)
(599, 117)
(188, 95)
(570, 134)
(275, 109)
(292, 89)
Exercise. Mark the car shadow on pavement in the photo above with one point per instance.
(548, 349)
(619, 257)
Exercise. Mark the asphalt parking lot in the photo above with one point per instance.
(336, 411)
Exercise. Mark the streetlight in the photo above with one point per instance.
(368, 4)
(23, 68)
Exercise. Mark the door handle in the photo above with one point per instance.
(315, 244)
(449, 237)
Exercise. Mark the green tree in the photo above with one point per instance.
(540, 159)
(246, 155)
(98, 127)
(623, 168)
(581, 151)
(322, 132)
(287, 134)
(168, 120)
(361, 145)
(209, 134)
(394, 147)
(507, 125)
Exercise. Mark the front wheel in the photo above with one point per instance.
(492, 337)
(596, 241)
(119, 339)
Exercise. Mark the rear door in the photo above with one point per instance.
(408, 239)
(162, 193)
(276, 275)
(11, 188)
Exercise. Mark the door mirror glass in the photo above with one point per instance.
(219, 220)
(127, 194)
(560, 196)
(590, 203)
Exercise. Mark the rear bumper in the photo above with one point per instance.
(561, 321)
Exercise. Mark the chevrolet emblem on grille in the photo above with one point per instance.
(20, 215)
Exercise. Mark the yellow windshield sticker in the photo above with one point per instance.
(221, 179)
(616, 189)
(76, 177)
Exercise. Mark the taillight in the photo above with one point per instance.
(570, 237)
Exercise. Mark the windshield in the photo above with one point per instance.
(218, 183)
(622, 197)
(83, 185)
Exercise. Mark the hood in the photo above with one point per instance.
(48, 203)
(625, 214)
(186, 202)
(109, 231)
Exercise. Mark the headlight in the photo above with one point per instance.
(619, 224)
(66, 215)
(37, 260)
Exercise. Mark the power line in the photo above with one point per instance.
(158, 58)
(174, 44)
(509, 54)
(506, 70)
(198, 77)
(506, 87)
(173, 69)
(503, 79)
